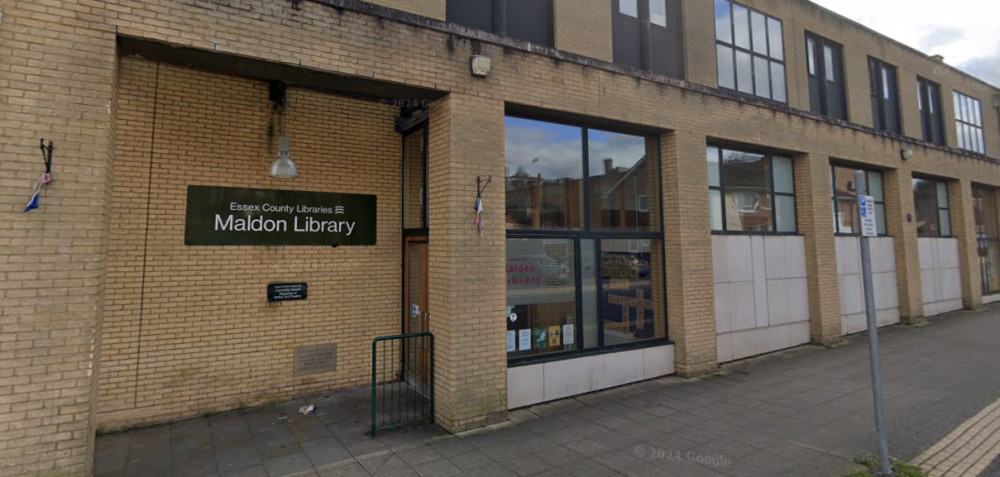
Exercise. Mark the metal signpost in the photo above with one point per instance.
(869, 228)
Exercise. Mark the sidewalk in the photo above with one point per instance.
(803, 412)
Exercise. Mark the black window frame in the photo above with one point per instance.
(768, 58)
(937, 205)
(774, 195)
(822, 100)
(965, 106)
(498, 14)
(639, 42)
(836, 207)
(931, 116)
(585, 232)
(885, 110)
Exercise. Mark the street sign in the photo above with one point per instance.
(866, 204)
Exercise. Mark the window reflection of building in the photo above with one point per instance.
(750, 192)
(988, 237)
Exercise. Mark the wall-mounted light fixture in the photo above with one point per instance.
(283, 167)
(906, 153)
(481, 65)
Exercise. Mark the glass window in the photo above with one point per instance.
(620, 175)
(751, 41)
(585, 266)
(658, 12)
(988, 237)
(415, 179)
(929, 102)
(969, 123)
(627, 308)
(750, 192)
(847, 219)
(541, 296)
(544, 168)
(884, 96)
(930, 199)
(629, 7)
(825, 72)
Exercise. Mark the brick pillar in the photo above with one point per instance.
(963, 228)
(467, 284)
(814, 213)
(53, 259)
(688, 245)
(901, 224)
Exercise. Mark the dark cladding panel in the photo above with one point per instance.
(476, 14)
(530, 20)
(627, 48)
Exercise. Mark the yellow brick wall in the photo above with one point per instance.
(187, 328)
(584, 27)
(435, 9)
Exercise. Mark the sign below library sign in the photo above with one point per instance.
(234, 216)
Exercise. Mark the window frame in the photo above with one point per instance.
(937, 205)
(963, 114)
(770, 181)
(768, 58)
(836, 207)
(819, 65)
(882, 107)
(585, 233)
(927, 93)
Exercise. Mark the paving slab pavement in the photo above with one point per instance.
(801, 412)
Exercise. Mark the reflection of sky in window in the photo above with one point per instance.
(558, 149)
(554, 151)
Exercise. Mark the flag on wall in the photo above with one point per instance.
(33, 202)
(479, 215)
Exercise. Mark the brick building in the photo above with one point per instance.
(672, 188)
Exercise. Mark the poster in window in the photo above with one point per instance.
(554, 336)
(524, 340)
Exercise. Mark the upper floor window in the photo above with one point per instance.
(749, 51)
(969, 123)
(931, 120)
(885, 96)
(847, 219)
(528, 20)
(750, 192)
(930, 198)
(647, 35)
(825, 65)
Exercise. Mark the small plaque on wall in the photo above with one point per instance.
(287, 291)
(316, 359)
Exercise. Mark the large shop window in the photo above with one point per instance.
(648, 35)
(969, 123)
(749, 51)
(584, 240)
(931, 119)
(750, 192)
(846, 217)
(528, 20)
(984, 201)
(885, 96)
(825, 66)
(930, 199)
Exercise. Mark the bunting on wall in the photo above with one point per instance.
(45, 179)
